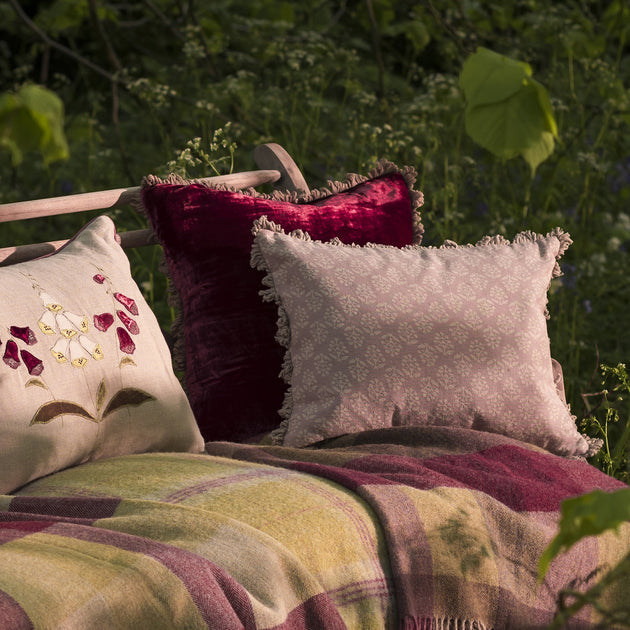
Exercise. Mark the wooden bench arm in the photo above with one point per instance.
(116, 197)
(276, 167)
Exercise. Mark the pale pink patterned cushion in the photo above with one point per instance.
(378, 336)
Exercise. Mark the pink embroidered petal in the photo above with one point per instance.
(34, 365)
(11, 354)
(130, 324)
(103, 321)
(24, 333)
(99, 277)
(127, 302)
(126, 343)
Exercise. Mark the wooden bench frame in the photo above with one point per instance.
(275, 166)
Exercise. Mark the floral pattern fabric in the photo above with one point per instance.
(85, 371)
(378, 336)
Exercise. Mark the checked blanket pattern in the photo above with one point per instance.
(429, 528)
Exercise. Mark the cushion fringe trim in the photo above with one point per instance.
(283, 334)
(382, 168)
(177, 328)
(443, 623)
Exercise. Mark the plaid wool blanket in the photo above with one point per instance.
(428, 528)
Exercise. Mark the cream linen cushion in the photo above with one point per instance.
(85, 370)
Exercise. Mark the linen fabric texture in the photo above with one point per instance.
(85, 371)
(452, 336)
(224, 335)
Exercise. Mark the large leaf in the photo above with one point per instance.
(488, 77)
(587, 515)
(32, 120)
(19, 129)
(507, 111)
(48, 108)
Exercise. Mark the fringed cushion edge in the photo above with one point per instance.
(283, 334)
(443, 623)
(382, 168)
(178, 349)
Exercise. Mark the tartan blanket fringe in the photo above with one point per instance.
(443, 623)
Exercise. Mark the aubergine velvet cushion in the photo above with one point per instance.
(232, 362)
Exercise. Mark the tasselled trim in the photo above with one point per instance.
(382, 168)
(283, 334)
(443, 623)
(594, 445)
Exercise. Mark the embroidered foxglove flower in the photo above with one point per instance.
(80, 322)
(11, 357)
(61, 350)
(125, 341)
(78, 354)
(65, 326)
(129, 323)
(34, 365)
(92, 348)
(103, 321)
(73, 345)
(50, 303)
(23, 333)
(47, 323)
(12, 354)
(127, 302)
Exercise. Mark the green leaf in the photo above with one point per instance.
(35, 382)
(488, 77)
(418, 34)
(32, 120)
(20, 131)
(539, 151)
(587, 515)
(48, 108)
(101, 392)
(507, 111)
(415, 31)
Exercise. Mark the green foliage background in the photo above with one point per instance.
(339, 85)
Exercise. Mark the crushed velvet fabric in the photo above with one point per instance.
(226, 333)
